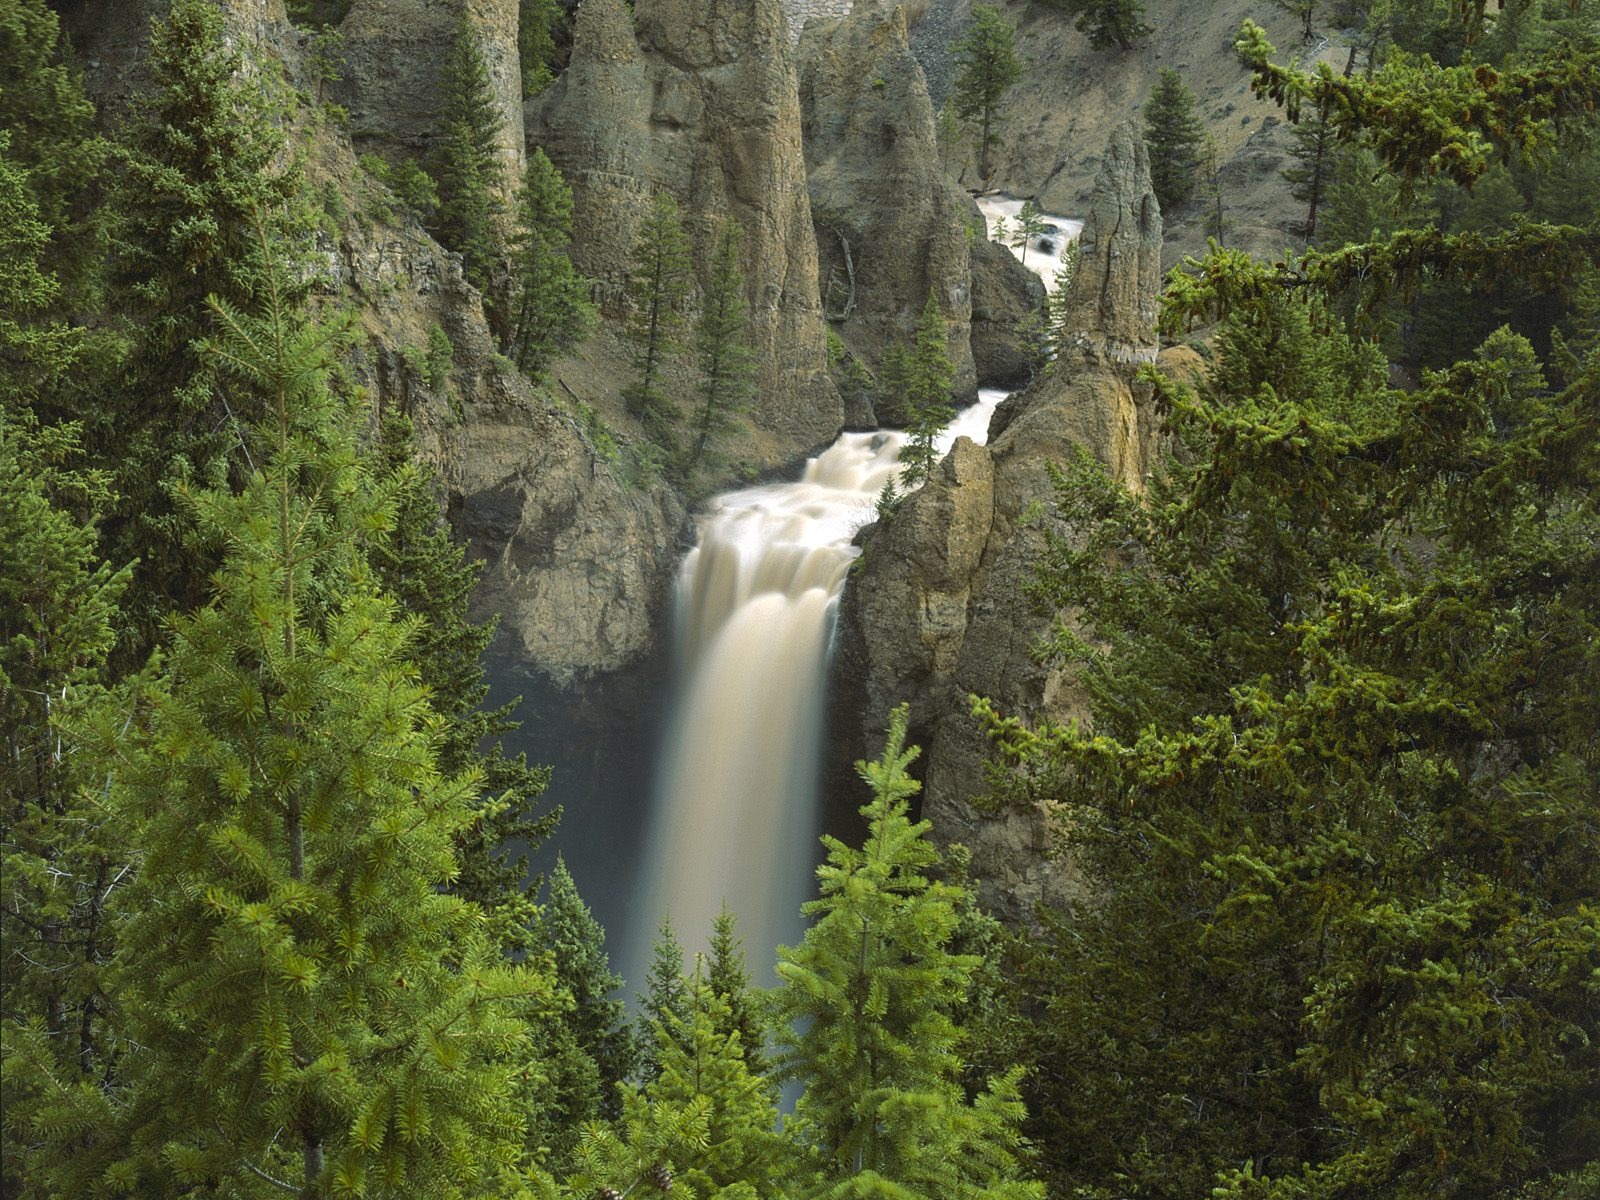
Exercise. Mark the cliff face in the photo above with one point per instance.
(393, 51)
(891, 226)
(700, 99)
(940, 611)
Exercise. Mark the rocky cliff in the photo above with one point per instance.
(701, 100)
(940, 610)
(891, 226)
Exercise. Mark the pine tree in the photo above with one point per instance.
(37, 350)
(50, 123)
(987, 67)
(60, 860)
(1108, 22)
(928, 375)
(658, 283)
(536, 46)
(722, 344)
(663, 1002)
(598, 1025)
(865, 1003)
(1303, 9)
(730, 982)
(302, 1001)
(200, 160)
(466, 161)
(1174, 136)
(1312, 149)
(705, 1126)
(549, 299)
(1030, 224)
(427, 572)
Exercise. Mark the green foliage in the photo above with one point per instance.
(198, 169)
(704, 1126)
(536, 46)
(548, 296)
(61, 858)
(596, 1023)
(1175, 137)
(986, 68)
(722, 345)
(299, 995)
(1308, 179)
(52, 140)
(730, 983)
(1030, 224)
(659, 281)
(465, 161)
(924, 381)
(317, 14)
(865, 1005)
(36, 351)
(428, 574)
(1108, 23)
(410, 183)
(664, 1000)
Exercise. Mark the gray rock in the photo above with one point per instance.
(1005, 294)
(890, 225)
(700, 100)
(941, 610)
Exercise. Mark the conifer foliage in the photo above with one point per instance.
(549, 300)
(1108, 23)
(987, 67)
(659, 282)
(466, 161)
(924, 379)
(866, 1002)
(722, 344)
(1175, 138)
(309, 1006)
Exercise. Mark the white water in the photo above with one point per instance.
(735, 816)
(1044, 252)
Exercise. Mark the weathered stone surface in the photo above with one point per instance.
(393, 53)
(890, 225)
(1004, 295)
(901, 636)
(700, 100)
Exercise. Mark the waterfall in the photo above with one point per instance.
(735, 813)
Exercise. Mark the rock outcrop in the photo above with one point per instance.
(940, 609)
(1005, 294)
(891, 227)
(700, 100)
(393, 52)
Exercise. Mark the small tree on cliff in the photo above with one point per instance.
(1108, 23)
(925, 378)
(658, 284)
(1175, 139)
(549, 299)
(722, 341)
(466, 162)
(987, 68)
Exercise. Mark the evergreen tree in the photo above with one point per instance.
(730, 982)
(722, 343)
(658, 283)
(987, 67)
(1312, 149)
(549, 299)
(598, 1026)
(36, 350)
(427, 572)
(663, 1001)
(50, 123)
(705, 1126)
(865, 1004)
(1174, 136)
(925, 398)
(1305, 10)
(1030, 224)
(1108, 22)
(60, 860)
(305, 1007)
(536, 46)
(466, 161)
(200, 159)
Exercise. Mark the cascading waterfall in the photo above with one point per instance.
(735, 816)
